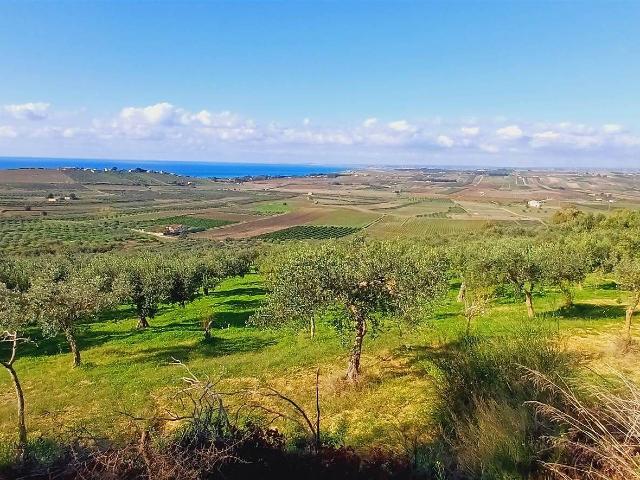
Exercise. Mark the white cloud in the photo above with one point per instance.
(444, 141)
(485, 147)
(401, 126)
(612, 128)
(28, 111)
(369, 122)
(164, 129)
(159, 114)
(470, 131)
(546, 136)
(510, 132)
(7, 131)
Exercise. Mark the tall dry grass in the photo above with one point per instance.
(602, 429)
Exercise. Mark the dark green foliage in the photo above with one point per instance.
(310, 232)
(191, 221)
(37, 236)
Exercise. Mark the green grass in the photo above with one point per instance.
(346, 217)
(309, 232)
(126, 370)
(273, 208)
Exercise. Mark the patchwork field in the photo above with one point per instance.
(382, 203)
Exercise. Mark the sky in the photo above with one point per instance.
(513, 83)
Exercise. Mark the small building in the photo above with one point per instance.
(534, 203)
(175, 230)
(52, 199)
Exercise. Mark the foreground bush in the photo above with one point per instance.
(487, 430)
(602, 423)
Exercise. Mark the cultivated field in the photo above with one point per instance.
(380, 203)
(290, 302)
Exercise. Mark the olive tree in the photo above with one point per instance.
(520, 264)
(474, 265)
(144, 281)
(62, 306)
(357, 282)
(184, 280)
(15, 317)
(565, 264)
(215, 265)
(210, 270)
(628, 277)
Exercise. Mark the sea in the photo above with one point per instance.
(190, 168)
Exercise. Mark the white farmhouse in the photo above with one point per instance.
(534, 203)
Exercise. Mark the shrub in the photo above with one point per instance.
(603, 430)
(486, 428)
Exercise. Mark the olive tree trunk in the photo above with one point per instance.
(568, 295)
(627, 320)
(631, 309)
(462, 292)
(528, 298)
(142, 322)
(353, 370)
(73, 345)
(22, 426)
(207, 329)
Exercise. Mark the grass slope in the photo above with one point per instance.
(129, 371)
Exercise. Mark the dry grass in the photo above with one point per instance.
(602, 440)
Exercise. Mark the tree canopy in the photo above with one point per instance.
(355, 281)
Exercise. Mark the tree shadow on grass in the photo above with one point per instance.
(420, 353)
(43, 346)
(608, 286)
(248, 291)
(589, 311)
(221, 319)
(212, 348)
(242, 304)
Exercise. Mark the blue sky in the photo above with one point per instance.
(366, 82)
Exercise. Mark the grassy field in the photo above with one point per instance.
(272, 208)
(126, 370)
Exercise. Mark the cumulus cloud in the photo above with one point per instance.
(612, 128)
(488, 148)
(180, 133)
(510, 132)
(369, 122)
(444, 141)
(401, 126)
(159, 114)
(470, 131)
(28, 111)
(7, 131)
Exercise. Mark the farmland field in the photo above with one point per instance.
(128, 371)
(37, 235)
(309, 232)
(188, 220)
(398, 227)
